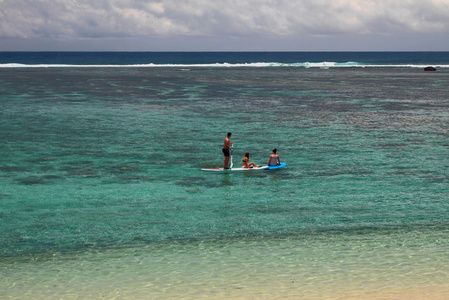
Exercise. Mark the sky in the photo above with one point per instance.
(224, 25)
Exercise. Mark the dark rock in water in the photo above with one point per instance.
(430, 69)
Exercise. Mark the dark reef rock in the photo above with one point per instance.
(430, 69)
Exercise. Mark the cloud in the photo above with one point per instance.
(71, 19)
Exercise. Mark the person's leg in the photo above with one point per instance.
(226, 161)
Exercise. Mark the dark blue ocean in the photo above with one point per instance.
(102, 193)
(232, 58)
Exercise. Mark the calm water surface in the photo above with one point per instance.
(100, 180)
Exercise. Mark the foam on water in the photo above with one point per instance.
(229, 65)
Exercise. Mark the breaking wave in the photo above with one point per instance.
(322, 65)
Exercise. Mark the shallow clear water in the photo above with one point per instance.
(101, 167)
(384, 264)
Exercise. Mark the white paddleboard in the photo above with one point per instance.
(247, 169)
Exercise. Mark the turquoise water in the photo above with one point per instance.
(100, 176)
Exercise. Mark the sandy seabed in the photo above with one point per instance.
(402, 266)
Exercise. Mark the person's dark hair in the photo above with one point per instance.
(247, 154)
(275, 150)
(229, 134)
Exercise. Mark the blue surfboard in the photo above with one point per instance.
(281, 165)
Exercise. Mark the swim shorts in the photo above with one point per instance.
(225, 152)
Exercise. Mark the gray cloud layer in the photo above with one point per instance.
(71, 19)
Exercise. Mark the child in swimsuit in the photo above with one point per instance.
(274, 159)
(246, 163)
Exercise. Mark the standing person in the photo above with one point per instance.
(246, 163)
(274, 159)
(226, 149)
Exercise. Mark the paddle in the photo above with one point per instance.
(232, 147)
